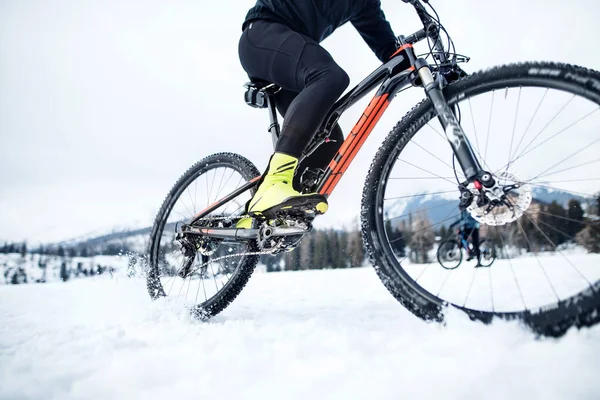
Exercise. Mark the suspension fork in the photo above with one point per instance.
(454, 133)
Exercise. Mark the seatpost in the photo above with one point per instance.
(274, 127)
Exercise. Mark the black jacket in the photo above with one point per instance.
(319, 18)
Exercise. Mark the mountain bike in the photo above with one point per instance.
(450, 252)
(525, 138)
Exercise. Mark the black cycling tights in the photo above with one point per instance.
(311, 82)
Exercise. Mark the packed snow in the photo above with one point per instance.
(335, 334)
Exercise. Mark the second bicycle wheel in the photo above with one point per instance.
(449, 254)
(488, 253)
(536, 127)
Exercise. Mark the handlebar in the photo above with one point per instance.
(430, 29)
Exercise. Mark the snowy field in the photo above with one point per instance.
(334, 334)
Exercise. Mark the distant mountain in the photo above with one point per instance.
(548, 195)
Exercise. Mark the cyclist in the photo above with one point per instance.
(280, 44)
(469, 227)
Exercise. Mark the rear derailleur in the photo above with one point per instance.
(190, 245)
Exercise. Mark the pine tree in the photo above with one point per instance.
(444, 234)
(318, 250)
(23, 250)
(305, 253)
(553, 224)
(575, 221)
(589, 238)
(64, 272)
(422, 239)
(355, 249)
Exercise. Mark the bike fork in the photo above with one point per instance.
(454, 132)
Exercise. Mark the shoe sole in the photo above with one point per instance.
(301, 206)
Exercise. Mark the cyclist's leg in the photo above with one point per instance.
(475, 242)
(466, 234)
(323, 155)
(273, 52)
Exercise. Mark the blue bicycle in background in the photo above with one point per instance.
(450, 252)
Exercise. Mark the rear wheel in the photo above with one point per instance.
(488, 252)
(536, 127)
(205, 275)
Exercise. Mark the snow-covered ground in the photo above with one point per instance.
(334, 334)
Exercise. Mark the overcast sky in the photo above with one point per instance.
(104, 104)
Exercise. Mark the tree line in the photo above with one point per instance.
(321, 249)
(78, 250)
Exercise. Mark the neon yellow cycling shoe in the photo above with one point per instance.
(276, 196)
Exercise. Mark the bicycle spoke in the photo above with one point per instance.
(188, 289)
(588, 195)
(418, 195)
(214, 277)
(525, 151)
(236, 186)
(212, 185)
(487, 140)
(545, 126)
(195, 191)
(444, 138)
(207, 191)
(474, 129)
(420, 211)
(219, 188)
(433, 155)
(570, 168)
(531, 121)
(190, 196)
(423, 177)
(226, 182)
(512, 138)
(444, 282)
(537, 259)
(572, 180)
(491, 288)
(429, 172)
(427, 227)
(557, 249)
(567, 158)
(511, 266)
(470, 286)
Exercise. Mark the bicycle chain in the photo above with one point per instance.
(248, 253)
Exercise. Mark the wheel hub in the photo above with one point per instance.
(503, 203)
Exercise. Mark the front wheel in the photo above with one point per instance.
(536, 128)
(449, 254)
(205, 275)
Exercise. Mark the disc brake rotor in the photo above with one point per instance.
(519, 196)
